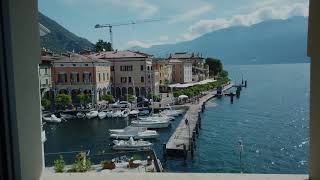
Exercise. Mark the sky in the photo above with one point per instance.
(180, 20)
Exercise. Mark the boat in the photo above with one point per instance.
(144, 112)
(131, 144)
(128, 129)
(172, 112)
(67, 116)
(117, 114)
(92, 114)
(134, 113)
(146, 134)
(125, 113)
(109, 114)
(102, 115)
(154, 124)
(157, 117)
(52, 118)
(80, 115)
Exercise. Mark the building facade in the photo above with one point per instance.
(45, 78)
(131, 73)
(181, 71)
(73, 74)
(199, 70)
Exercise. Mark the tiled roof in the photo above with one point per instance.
(119, 54)
(77, 58)
(175, 61)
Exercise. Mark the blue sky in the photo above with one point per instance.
(182, 19)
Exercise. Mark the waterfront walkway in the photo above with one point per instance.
(182, 140)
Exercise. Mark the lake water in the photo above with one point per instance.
(271, 118)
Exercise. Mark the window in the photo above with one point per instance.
(129, 79)
(141, 67)
(125, 68)
(47, 81)
(86, 65)
(148, 68)
(123, 79)
(74, 65)
(142, 79)
(45, 71)
(104, 76)
(99, 77)
(112, 68)
(111, 79)
(107, 76)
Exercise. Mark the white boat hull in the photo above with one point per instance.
(151, 124)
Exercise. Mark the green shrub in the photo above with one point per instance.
(45, 103)
(81, 164)
(108, 97)
(59, 165)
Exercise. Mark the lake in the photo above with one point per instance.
(271, 119)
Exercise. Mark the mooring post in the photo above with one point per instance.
(194, 138)
(231, 97)
(192, 150)
(164, 149)
(185, 152)
(245, 83)
(197, 129)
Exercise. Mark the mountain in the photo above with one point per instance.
(269, 42)
(60, 39)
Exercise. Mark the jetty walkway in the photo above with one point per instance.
(182, 140)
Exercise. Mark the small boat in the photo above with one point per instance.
(109, 114)
(92, 114)
(174, 113)
(128, 129)
(124, 113)
(80, 115)
(144, 112)
(67, 116)
(157, 117)
(52, 118)
(102, 115)
(154, 124)
(117, 114)
(133, 113)
(147, 134)
(131, 144)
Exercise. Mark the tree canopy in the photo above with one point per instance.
(63, 100)
(103, 46)
(215, 66)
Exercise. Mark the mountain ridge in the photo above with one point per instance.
(268, 42)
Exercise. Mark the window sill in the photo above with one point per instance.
(172, 176)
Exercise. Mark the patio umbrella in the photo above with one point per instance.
(183, 97)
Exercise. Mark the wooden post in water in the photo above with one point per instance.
(194, 138)
(231, 97)
(185, 153)
(192, 150)
(197, 129)
(245, 83)
(164, 146)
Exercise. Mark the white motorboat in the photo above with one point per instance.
(80, 115)
(156, 117)
(102, 115)
(154, 124)
(133, 113)
(144, 112)
(109, 114)
(67, 116)
(174, 113)
(128, 129)
(147, 134)
(116, 114)
(52, 118)
(92, 114)
(131, 144)
(125, 113)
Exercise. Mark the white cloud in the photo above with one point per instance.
(135, 43)
(162, 40)
(146, 8)
(257, 16)
(190, 14)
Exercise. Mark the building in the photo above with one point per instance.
(73, 73)
(199, 70)
(181, 71)
(45, 78)
(131, 73)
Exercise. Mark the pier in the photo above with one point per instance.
(183, 139)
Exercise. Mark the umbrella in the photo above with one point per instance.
(183, 96)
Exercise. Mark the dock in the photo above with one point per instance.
(182, 140)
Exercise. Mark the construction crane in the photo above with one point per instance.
(123, 24)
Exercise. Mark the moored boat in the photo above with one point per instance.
(92, 114)
(147, 134)
(66, 116)
(102, 115)
(52, 118)
(131, 144)
(154, 124)
(80, 115)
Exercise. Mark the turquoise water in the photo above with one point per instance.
(271, 118)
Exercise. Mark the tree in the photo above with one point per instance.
(103, 46)
(224, 74)
(108, 97)
(131, 98)
(215, 66)
(63, 100)
(84, 98)
(45, 103)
